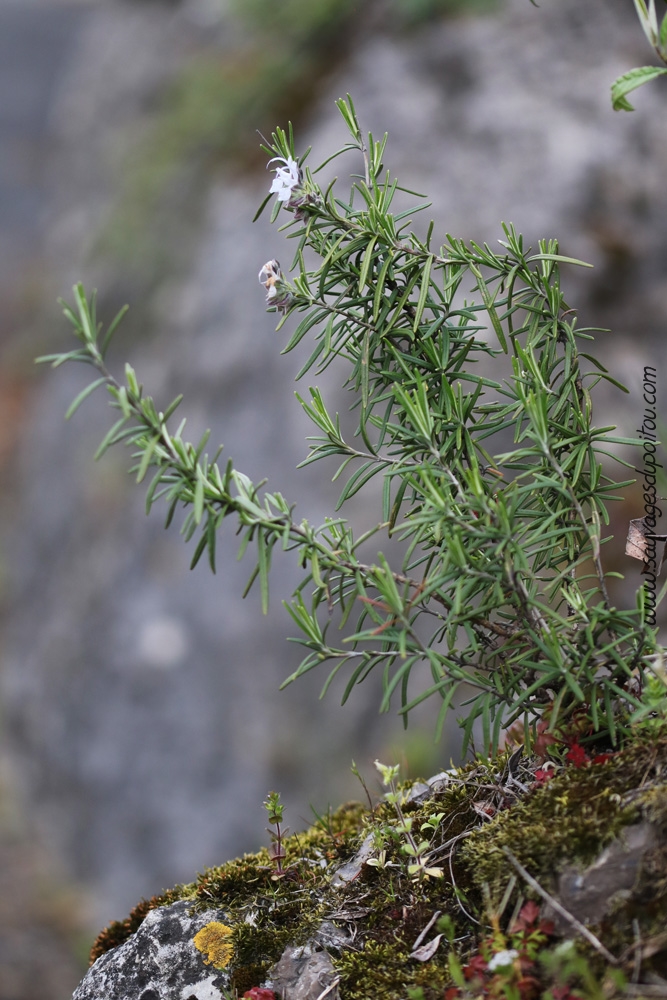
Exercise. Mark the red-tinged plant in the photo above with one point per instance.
(564, 993)
(525, 937)
(527, 917)
(544, 739)
(577, 756)
(259, 993)
(528, 933)
(476, 968)
(275, 811)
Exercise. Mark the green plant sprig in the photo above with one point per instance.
(494, 486)
(416, 850)
(275, 810)
(656, 35)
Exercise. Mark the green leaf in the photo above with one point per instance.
(366, 264)
(302, 329)
(559, 259)
(628, 82)
(400, 677)
(86, 323)
(173, 406)
(497, 726)
(262, 207)
(198, 508)
(201, 545)
(110, 437)
(149, 449)
(488, 300)
(648, 20)
(263, 569)
(398, 500)
(150, 492)
(469, 722)
(663, 35)
(426, 281)
(56, 360)
(83, 395)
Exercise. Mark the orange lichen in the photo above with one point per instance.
(213, 941)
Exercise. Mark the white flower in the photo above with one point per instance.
(287, 177)
(278, 293)
(502, 959)
(270, 274)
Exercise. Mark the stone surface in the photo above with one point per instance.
(589, 894)
(352, 869)
(304, 973)
(159, 961)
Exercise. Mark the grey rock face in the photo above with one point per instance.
(304, 973)
(159, 961)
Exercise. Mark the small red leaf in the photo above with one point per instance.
(528, 915)
(475, 968)
(576, 755)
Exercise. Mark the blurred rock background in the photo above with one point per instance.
(141, 720)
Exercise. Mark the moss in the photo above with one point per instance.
(572, 818)
(377, 970)
(269, 912)
(568, 820)
(382, 967)
(259, 945)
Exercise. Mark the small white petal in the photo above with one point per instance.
(502, 959)
(286, 179)
(270, 272)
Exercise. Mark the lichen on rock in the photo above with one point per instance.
(213, 941)
(159, 961)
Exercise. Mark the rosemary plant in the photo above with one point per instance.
(656, 35)
(494, 485)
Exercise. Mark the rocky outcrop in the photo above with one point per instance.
(574, 854)
(159, 962)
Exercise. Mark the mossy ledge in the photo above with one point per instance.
(550, 827)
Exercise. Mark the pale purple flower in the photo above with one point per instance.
(287, 177)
